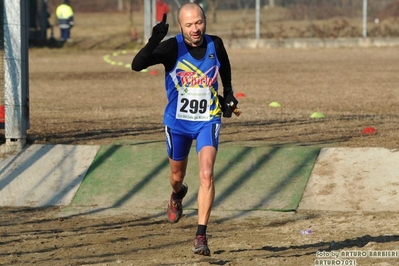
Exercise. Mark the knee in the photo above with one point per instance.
(178, 176)
(206, 178)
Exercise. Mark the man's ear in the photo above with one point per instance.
(181, 30)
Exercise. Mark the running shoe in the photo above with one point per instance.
(201, 246)
(175, 207)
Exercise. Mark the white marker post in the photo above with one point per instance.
(16, 73)
(364, 18)
(257, 23)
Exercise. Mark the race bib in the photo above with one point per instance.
(194, 104)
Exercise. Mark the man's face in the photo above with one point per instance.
(192, 26)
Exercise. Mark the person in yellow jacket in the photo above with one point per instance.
(64, 13)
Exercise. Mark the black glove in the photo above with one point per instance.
(230, 103)
(160, 30)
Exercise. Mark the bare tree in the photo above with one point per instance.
(213, 5)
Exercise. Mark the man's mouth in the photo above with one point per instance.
(196, 36)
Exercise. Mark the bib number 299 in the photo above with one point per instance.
(193, 104)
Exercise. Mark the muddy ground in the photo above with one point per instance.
(35, 236)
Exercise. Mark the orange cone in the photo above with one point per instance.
(369, 130)
(240, 95)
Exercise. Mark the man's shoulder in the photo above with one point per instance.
(216, 38)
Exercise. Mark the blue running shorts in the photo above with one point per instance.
(178, 144)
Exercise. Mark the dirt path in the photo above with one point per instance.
(38, 237)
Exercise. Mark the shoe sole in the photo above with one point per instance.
(204, 251)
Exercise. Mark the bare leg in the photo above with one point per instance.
(206, 192)
(177, 173)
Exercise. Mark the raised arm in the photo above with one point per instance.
(147, 56)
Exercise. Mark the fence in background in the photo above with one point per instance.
(278, 18)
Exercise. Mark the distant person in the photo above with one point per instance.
(161, 8)
(64, 13)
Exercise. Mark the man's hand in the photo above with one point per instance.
(229, 105)
(160, 30)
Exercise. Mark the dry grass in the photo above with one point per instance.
(76, 97)
(114, 30)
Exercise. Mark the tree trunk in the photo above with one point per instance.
(213, 5)
(141, 5)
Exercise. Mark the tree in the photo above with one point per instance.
(213, 5)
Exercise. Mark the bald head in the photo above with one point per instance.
(191, 18)
(190, 7)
